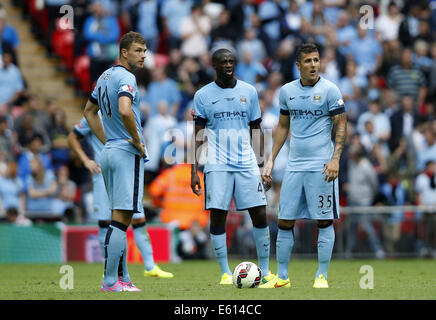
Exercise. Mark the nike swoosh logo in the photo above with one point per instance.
(276, 286)
(213, 102)
(218, 248)
(324, 212)
(291, 98)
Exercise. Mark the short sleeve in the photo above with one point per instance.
(335, 101)
(282, 102)
(255, 113)
(127, 87)
(82, 129)
(200, 116)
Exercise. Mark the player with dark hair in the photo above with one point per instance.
(229, 111)
(101, 209)
(311, 107)
(116, 95)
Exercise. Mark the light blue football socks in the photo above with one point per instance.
(219, 243)
(326, 241)
(115, 246)
(284, 246)
(262, 240)
(143, 243)
(101, 237)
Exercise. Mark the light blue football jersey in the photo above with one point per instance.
(115, 82)
(227, 114)
(310, 109)
(83, 129)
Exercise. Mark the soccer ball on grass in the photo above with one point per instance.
(247, 275)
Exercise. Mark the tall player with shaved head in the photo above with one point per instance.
(228, 109)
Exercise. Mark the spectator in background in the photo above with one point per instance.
(403, 121)
(426, 195)
(421, 59)
(366, 51)
(331, 65)
(241, 16)
(33, 152)
(409, 27)
(351, 85)
(101, 31)
(432, 77)
(395, 194)
(194, 30)
(8, 148)
(162, 88)
(66, 193)
(147, 24)
(380, 122)
(407, 79)
(345, 33)
(9, 38)
(41, 190)
(223, 32)
(389, 102)
(11, 80)
(27, 133)
(252, 44)
(291, 21)
(249, 70)
(191, 77)
(284, 60)
(171, 191)
(270, 13)
(157, 136)
(58, 136)
(172, 13)
(40, 121)
(388, 24)
(361, 190)
(12, 190)
(429, 152)
(402, 161)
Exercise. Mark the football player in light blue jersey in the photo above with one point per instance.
(229, 111)
(116, 95)
(311, 107)
(101, 210)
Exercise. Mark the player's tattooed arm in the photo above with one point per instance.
(331, 169)
(340, 125)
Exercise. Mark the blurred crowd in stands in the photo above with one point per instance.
(381, 54)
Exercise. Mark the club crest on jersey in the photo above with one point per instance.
(316, 98)
(127, 87)
(243, 101)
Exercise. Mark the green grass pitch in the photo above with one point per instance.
(198, 280)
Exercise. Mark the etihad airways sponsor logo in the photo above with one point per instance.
(230, 115)
(306, 112)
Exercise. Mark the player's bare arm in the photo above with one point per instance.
(258, 142)
(94, 122)
(74, 144)
(280, 135)
(195, 179)
(128, 119)
(331, 169)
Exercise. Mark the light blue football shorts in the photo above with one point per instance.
(245, 187)
(101, 209)
(306, 195)
(123, 174)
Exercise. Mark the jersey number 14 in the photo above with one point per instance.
(104, 101)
